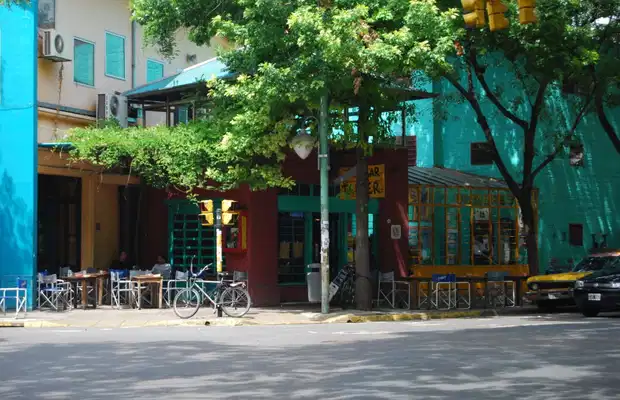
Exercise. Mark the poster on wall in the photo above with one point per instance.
(47, 14)
(481, 214)
(453, 244)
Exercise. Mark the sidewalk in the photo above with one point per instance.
(106, 317)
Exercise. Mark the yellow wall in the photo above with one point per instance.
(106, 225)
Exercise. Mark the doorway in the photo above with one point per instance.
(59, 222)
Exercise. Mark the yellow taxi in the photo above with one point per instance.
(549, 291)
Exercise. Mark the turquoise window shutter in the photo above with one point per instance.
(114, 56)
(83, 62)
(154, 71)
(183, 115)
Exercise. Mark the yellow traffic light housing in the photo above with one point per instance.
(497, 19)
(228, 205)
(474, 17)
(526, 11)
(206, 212)
(230, 213)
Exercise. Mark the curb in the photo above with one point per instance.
(339, 319)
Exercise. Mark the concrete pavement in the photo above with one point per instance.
(106, 317)
(525, 357)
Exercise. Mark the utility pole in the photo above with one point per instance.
(323, 171)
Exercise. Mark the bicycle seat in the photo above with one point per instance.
(223, 273)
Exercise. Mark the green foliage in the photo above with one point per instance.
(9, 3)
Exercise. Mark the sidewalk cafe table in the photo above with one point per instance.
(96, 280)
(150, 280)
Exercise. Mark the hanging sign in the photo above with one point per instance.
(376, 183)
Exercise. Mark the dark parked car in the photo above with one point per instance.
(599, 291)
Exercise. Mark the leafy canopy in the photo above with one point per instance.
(285, 56)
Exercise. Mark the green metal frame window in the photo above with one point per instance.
(114, 55)
(83, 62)
(188, 238)
(154, 70)
(291, 242)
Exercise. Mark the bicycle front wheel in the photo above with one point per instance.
(186, 303)
(235, 302)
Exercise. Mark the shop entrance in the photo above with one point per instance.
(59, 217)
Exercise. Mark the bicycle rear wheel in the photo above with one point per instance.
(235, 302)
(186, 303)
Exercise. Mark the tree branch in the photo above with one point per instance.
(605, 123)
(530, 134)
(486, 129)
(559, 147)
(492, 97)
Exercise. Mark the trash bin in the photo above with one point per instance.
(313, 279)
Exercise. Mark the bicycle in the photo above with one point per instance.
(230, 297)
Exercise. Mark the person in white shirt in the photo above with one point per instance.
(162, 267)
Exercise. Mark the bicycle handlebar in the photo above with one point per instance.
(191, 268)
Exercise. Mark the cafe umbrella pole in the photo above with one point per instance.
(218, 250)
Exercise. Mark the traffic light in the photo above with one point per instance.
(474, 17)
(526, 11)
(206, 212)
(497, 19)
(229, 213)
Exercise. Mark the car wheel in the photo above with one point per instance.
(546, 306)
(590, 312)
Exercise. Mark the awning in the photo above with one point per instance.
(191, 76)
(437, 176)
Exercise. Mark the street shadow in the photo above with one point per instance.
(529, 362)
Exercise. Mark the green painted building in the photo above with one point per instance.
(575, 202)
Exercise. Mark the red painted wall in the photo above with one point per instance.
(260, 260)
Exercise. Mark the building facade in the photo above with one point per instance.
(577, 202)
(18, 128)
(86, 217)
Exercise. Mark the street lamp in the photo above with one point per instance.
(303, 144)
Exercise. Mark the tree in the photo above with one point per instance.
(564, 46)
(286, 55)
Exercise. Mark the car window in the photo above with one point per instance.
(597, 264)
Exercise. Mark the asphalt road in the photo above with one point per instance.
(554, 357)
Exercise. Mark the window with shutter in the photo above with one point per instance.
(154, 70)
(114, 55)
(83, 62)
(481, 153)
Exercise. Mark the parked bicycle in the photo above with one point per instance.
(231, 297)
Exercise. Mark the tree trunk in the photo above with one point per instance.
(531, 235)
(605, 123)
(363, 287)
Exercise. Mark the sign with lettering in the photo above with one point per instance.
(376, 183)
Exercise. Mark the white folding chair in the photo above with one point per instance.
(53, 292)
(500, 291)
(18, 295)
(391, 290)
(121, 289)
(172, 288)
(443, 291)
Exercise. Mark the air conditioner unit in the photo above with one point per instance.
(54, 48)
(112, 106)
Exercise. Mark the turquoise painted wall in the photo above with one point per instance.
(18, 130)
(588, 195)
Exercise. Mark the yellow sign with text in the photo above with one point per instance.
(376, 183)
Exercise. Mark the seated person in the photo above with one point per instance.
(122, 263)
(162, 267)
